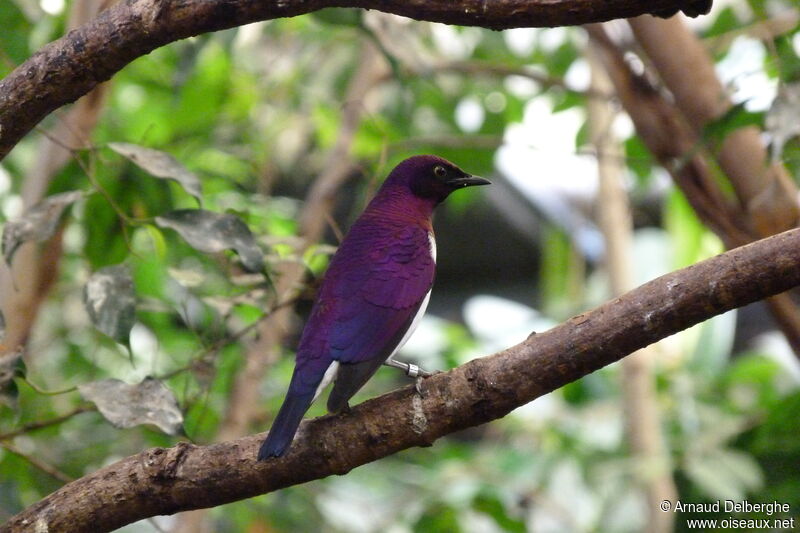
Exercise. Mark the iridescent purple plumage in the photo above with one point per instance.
(374, 288)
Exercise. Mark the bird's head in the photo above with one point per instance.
(431, 177)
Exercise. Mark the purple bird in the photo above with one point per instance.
(373, 295)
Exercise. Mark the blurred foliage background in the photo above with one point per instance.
(260, 113)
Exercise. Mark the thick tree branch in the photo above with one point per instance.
(164, 481)
(70, 67)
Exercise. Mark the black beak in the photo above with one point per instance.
(467, 181)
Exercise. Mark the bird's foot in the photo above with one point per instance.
(421, 379)
(411, 370)
(418, 386)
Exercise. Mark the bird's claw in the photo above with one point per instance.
(421, 379)
(418, 385)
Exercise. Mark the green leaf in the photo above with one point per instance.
(339, 16)
(38, 223)
(778, 433)
(562, 58)
(438, 518)
(110, 301)
(567, 100)
(105, 242)
(724, 22)
(214, 232)
(684, 228)
(788, 58)
(638, 159)
(14, 37)
(756, 374)
(160, 165)
(126, 406)
(724, 473)
(582, 136)
(491, 505)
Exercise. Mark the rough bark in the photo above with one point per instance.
(765, 190)
(70, 67)
(164, 481)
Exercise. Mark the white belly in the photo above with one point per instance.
(414, 323)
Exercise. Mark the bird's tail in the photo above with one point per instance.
(285, 425)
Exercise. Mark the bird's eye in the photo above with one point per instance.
(440, 171)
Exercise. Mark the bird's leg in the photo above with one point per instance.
(411, 370)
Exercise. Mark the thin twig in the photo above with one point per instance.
(48, 392)
(220, 343)
(501, 70)
(33, 426)
(38, 463)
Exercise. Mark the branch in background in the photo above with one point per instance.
(70, 67)
(640, 406)
(763, 30)
(671, 141)
(496, 69)
(33, 426)
(164, 481)
(766, 192)
(672, 134)
(25, 285)
(47, 468)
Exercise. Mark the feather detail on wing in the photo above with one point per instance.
(371, 293)
(381, 294)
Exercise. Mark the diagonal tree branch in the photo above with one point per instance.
(70, 67)
(768, 205)
(765, 189)
(164, 481)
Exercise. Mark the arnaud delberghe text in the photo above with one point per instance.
(730, 506)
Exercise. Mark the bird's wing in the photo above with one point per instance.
(376, 302)
(351, 376)
(371, 293)
(378, 298)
